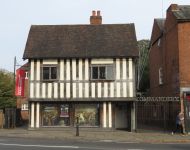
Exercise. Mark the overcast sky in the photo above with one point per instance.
(16, 17)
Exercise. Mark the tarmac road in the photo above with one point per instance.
(49, 144)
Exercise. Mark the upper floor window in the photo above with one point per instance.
(160, 76)
(102, 72)
(26, 75)
(49, 73)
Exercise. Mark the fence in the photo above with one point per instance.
(157, 116)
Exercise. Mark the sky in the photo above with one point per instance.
(16, 17)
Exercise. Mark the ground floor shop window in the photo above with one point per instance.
(88, 114)
(56, 115)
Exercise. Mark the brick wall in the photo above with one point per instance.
(23, 100)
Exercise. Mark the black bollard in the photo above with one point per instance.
(77, 129)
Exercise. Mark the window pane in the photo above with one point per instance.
(26, 106)
(110, 72)
(94, 72)
(53, 72)
(56, 115)
(45, 72)
(102, 72)
(88, 114)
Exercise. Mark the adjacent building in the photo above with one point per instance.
(87, 71)
(169, 55)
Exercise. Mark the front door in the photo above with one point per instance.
(187, 111)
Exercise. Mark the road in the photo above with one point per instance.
(49, 144)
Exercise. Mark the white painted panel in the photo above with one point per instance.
(118, 89)
(121, 120)
(124, 69)
(68, 69)
(50, 61)
(124, 89)
(32, 115)
(68, 90)
(62, 69)
(99, 89)
(86, 89)
(117, 69)
(31, 90)
(131, 89)
(49, 90)
(37, 90)
(130, 69)
(93, 89)
(111, 89)
(43, 90)
(104, 114)
(55, 90)
(86, 69)
(105, 89)
(74, 90)
(110, 115)
(32, 70)
(80, 69)
(38, 70)
(37, 114)
(62, 90)
(102, 61)
(80, 90)
(74, 69)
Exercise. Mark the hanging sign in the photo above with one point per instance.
(20, 81)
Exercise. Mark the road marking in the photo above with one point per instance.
(128, 142)
(107, 141)
(83, 141)
(39, 145)
(170, 143)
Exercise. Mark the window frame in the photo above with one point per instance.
(50, 66)
(160, 76)
(24, 104)
(107, 65)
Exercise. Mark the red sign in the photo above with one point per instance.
(64, 115)
(188, 96)
(20, 81)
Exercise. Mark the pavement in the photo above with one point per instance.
(118, 135)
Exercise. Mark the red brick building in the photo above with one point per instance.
(22, 100)
(169, 54)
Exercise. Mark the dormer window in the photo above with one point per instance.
(102, 72)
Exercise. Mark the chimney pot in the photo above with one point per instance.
(93, 13)
(98, 13)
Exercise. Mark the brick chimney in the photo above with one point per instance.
(172, 7)
(95, 19)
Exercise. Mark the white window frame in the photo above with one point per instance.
(106, 71)
(160, 76)
(26, 75)
(24, 106)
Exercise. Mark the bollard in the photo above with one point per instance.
(77, 129)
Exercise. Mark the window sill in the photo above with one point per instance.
(52, 80)
(102, 79)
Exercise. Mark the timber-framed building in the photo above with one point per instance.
(82, 70)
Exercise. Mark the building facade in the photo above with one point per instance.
(169, 51)
(87, 71)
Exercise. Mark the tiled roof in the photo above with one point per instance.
(81, 41)
(161, 23)
(24, 67)
(183, 12)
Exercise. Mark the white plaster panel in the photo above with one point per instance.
(130, 69)
(50, 61)
(55, 90)
(110, 115)
(111, 89)
(104, 114)
(118, 89)
(38, 69)
(68, 69)
(62, 69)
(86, 69)
(43, 90)
(131, 89)
(99, 89)
(32, 115)
(68, 90)
(93, 89)
(74, 90)
(74, 69)
(32, 70)
(124, 69)
(86, 89)
(124, 89)
(80, 90)
(102, 61)
(105, 89)
(31, 90)
(37, 90)
(37, 114)
(49, 90)
(117, 69)
(80, 69)
(62, 90)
